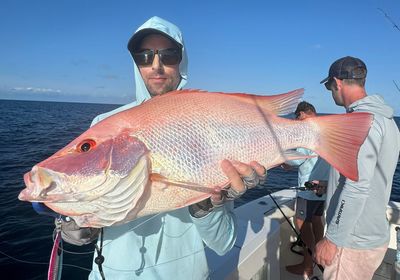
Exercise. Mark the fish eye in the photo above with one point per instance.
(86, 145)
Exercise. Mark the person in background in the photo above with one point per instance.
(357, 233)
(160, 246)
(309, 203)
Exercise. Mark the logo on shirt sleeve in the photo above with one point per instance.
(340, 211)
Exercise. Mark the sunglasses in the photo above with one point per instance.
(328, 84)
(166, 56)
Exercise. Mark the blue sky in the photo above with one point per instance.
(76, 50)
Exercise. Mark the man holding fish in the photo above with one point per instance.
(157, 247)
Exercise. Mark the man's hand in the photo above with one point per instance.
(321, 189)
(241, 177)
(72, 234)
(325, 252)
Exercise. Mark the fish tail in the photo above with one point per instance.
(340, 139)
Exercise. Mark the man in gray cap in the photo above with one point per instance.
(357, 233)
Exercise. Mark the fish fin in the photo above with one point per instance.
(155, 177)
(340, 139)
(279, 104)
(167, 195)
(293, 155)
(290, 155)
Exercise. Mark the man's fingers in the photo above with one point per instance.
(325, 252)
(217, 199)
(260, 170)
(242, 177)
(232, 172)
(216, 194)
(317, 250)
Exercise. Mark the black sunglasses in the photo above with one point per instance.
(328, 84)
(167, 56)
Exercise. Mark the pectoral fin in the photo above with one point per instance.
(167, 195)
(293, 155)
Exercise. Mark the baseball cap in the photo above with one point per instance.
(136, 39)
(347, 67)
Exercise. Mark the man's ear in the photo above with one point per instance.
(339, 83)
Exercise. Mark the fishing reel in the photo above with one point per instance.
(310, 186)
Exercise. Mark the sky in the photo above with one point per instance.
(75, 50)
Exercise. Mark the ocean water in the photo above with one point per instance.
(29, 133)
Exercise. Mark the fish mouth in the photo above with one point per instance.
(39, 183)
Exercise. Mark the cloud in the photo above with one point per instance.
(36, 90)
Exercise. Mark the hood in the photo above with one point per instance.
(374, 104)
(173, 32)
(142, 93)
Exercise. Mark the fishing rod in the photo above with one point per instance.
(297, 234)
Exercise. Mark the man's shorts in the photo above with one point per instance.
(306, 209)
(354, 264)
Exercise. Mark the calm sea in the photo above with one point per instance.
(29, 133)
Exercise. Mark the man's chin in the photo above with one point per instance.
(155, 91)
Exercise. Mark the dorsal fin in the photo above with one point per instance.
(279, 104)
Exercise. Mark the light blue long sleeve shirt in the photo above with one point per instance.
(356, 216)
(168, 245)
(165, 246)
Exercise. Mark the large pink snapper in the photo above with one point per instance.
(166, 153)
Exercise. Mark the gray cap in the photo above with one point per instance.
(347, 68)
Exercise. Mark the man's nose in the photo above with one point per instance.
(157, 64)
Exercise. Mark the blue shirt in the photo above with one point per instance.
(166, 246)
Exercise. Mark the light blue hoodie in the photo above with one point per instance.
(142, 94)
(168, 245)
(356, 216)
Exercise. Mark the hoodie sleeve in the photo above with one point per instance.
(218, 228)
(351, 200)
